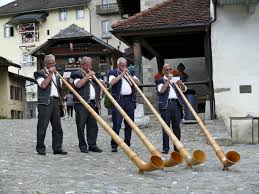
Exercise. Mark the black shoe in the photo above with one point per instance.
(164, 152)
(95, 149)
(84, 150)
(114, 150)
(60, 152)
(43, 153)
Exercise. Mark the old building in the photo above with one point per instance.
(13, 96)
(27, 24)
(234, 44)
(216, 40)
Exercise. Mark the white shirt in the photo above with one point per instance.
(92, 90)
(172, 93)
(53, 91)
(125, 87)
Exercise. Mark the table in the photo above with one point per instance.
(245, 118)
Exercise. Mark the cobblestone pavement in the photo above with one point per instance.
(22, 170)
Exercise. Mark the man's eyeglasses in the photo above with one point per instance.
(167, 69)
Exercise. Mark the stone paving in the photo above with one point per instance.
(22, 170)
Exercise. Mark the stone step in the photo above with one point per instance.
(219, 132)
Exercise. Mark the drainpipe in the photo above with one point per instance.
(215, 11)
(212, 102)
(87, 7)
(19, 70)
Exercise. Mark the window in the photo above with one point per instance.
(15, 93)
(80, 13)
(27, 60)
(13, 114)
(106, 28)
(18, 93)
(31, 113)
(62, 15)
(12, 92)
(16, 114)
(105, 2)
(29, 32)
(8, 31)
(20, 115)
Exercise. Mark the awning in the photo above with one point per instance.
(6, 62)
(28, 18)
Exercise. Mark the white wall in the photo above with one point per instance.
(235, 44)
(145, 4)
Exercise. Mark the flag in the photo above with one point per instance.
(71, 46)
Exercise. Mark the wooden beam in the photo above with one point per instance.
(150, 49)
(83, 54)
(160, 64)
(138, 59)
(159, 31)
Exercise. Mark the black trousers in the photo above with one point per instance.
(70, 110)
(128, 106)
(172, 116)
(85, 119)
(49, 113)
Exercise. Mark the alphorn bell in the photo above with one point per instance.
(198, 156)
(155, 161)
(227, 160)
(175, 157)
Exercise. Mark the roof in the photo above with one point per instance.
(18, 76)
(72, 32)
(6, 62)
(25, 6)
(170, 13)
(28, 17)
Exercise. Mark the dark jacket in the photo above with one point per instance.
(116, 88)
(84, 91)
(44, 94)
(163, 97)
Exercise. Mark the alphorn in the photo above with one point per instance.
(228, 159)
(198, 156)
(155, 161)
(174, 159)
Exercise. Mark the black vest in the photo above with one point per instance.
(84, 91)
(44, 94)
(163, 97)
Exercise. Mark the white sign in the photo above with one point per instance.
(67, 74)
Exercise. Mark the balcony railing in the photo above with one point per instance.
(106, 9)
(236, 2)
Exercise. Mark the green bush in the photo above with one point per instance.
(3, 117)
(107, 103)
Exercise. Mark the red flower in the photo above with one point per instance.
(158, 75)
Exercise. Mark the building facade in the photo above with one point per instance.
(13, 93)
(28, 24)
(235, 41)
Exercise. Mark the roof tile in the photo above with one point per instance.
(24, 6)
(167, 14)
